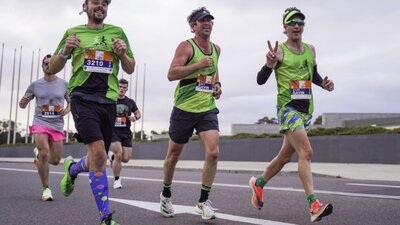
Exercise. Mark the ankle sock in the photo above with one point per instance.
(311, 198)
(204, 193)
(260, 182)
(166, 190)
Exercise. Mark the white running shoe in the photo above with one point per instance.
(110, 157)
(166, 208)
(36, 154)
(117, 184)
(47, 196)
(205, 210)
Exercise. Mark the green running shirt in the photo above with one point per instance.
(186, 97)
(98, 83)
(297, 68)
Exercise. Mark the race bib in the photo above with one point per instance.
(120, 121)
(51, 111)
(205, 83)
(98, 61)
(300, 89)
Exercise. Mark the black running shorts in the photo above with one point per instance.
(182, 124)
(93, 121)
(125, 139)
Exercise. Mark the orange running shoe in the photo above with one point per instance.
(257, 199)
(319, 210)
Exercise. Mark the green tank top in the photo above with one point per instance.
(95, 53)
(187, 95)
(294, 79)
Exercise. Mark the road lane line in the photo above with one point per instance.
(373, 185)
(155, 207)
(289, 189)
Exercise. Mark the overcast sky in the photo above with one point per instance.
(357, 45)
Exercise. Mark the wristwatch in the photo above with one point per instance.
(66, 57)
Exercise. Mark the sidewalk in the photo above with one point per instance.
(383, 172)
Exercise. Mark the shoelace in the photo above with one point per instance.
(168, 204)
(315, 206)
(207, 207)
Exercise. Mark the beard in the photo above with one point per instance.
(97, 19)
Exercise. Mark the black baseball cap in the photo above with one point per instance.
(202, 13)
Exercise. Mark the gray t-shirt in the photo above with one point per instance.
(50, 97)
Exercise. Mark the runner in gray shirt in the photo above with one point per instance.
(47, 128)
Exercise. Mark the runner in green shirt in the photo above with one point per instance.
(295, 70)
(96, 49)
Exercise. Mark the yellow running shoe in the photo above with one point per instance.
(47, 196)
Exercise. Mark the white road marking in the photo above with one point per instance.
(155, 207)
(350, 194)
(373, 185)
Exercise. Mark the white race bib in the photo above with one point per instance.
(98, 61)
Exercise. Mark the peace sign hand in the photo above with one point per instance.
(272, 59)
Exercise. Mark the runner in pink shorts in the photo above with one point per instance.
(48, 124)
(54, 135)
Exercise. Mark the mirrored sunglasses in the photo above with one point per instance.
(296, 22)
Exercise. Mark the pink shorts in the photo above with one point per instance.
(54, 135)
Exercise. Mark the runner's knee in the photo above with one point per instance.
(55, 160)
(213, 154)
(306, 154)
(44, 154)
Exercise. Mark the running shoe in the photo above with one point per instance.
(67, 183)
(117, 184)
(110, 157)
(166, 208)
(47, 196)
(36, 154)
(109, 220)
(257, 199)
(205, 210)
(319, 210)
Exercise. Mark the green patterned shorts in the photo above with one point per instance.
(292, 119)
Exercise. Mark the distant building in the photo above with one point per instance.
(329, 120)
(159, 136)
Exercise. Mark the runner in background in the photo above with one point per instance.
(121, 142)
(48, 123)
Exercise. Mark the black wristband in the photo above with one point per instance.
(219, 83)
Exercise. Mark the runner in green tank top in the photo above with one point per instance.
(295, 70)
(187, 95)
(195, 65)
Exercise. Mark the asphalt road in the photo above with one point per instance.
(355, 202)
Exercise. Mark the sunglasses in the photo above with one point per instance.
(46, 60)
(296, 22)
